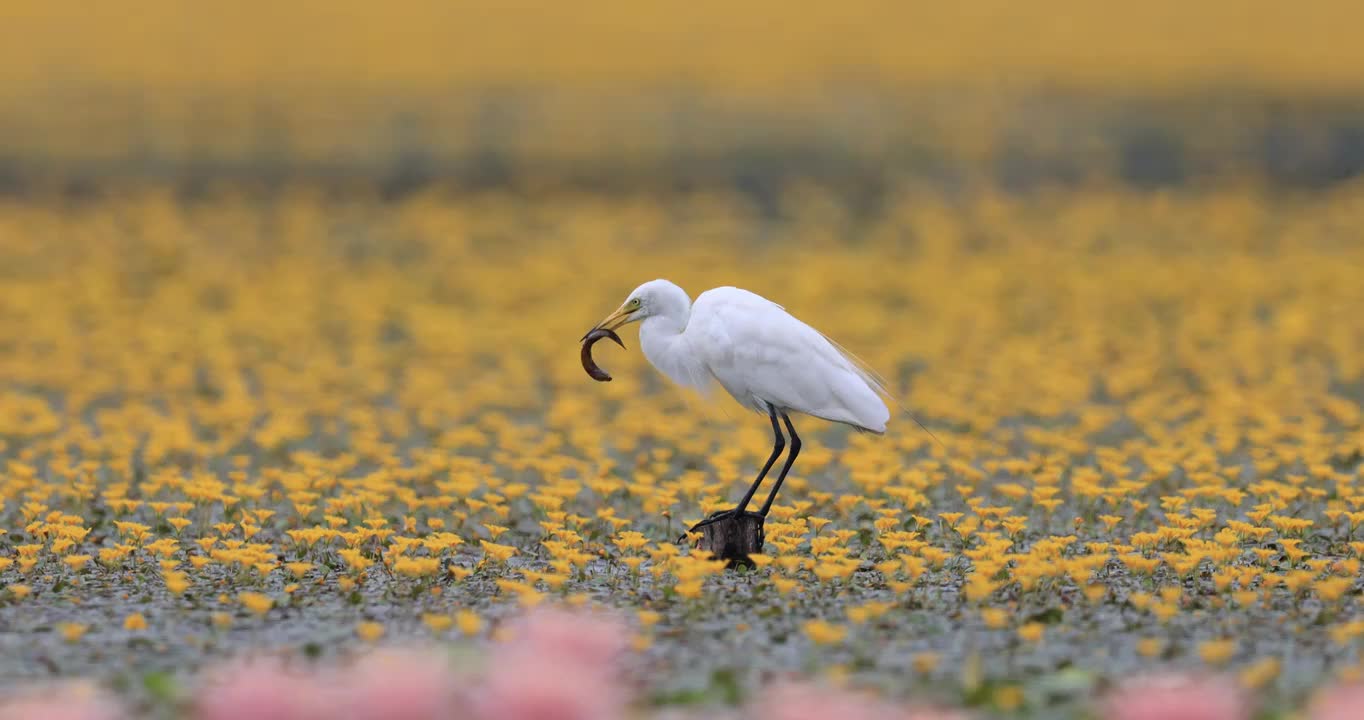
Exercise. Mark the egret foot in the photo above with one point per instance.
(731, 536)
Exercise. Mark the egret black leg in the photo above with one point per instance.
(778, 445)
(785, 468)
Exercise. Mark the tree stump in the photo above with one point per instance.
(733, 538)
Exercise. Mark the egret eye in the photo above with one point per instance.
(634, 303)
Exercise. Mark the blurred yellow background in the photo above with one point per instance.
(471, 88)
(775, 48)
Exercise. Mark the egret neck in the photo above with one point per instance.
(662, 340)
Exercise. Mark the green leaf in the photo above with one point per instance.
(161, 686)
(1070, 682)
(972, 675)
(1050, 616)
(725, 683)
(679, 697)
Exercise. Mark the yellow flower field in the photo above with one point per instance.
(313, 421)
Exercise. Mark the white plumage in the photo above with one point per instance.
(759, 352)
(767, 359)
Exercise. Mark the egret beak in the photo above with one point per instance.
(620, 317)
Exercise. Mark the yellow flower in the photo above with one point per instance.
(1217, 652)
(72, 632)
(690, 589)
(1259, 673)
(824, 633)
(176, 582)
(784, 585)
(257, 603)
(469, 622)
(437, 622)
(500, 553)
(1333, 588)
(136, 621)
(1032, 632)
(994, 618)
(1008, 698)
(76, 562)
(417, 567)
(630, 540)
(924, 662)
(1150, 647)
(20, 591)
(370, 631)
(355, 559)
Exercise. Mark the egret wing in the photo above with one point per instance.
(760, 353)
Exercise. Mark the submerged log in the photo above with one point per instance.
(733, 538)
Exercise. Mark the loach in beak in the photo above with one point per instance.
(590, 365)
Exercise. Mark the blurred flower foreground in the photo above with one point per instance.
(548, 665)
(563, 665)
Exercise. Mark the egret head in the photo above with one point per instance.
(656, 297)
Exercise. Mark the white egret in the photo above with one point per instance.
(768, 360)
